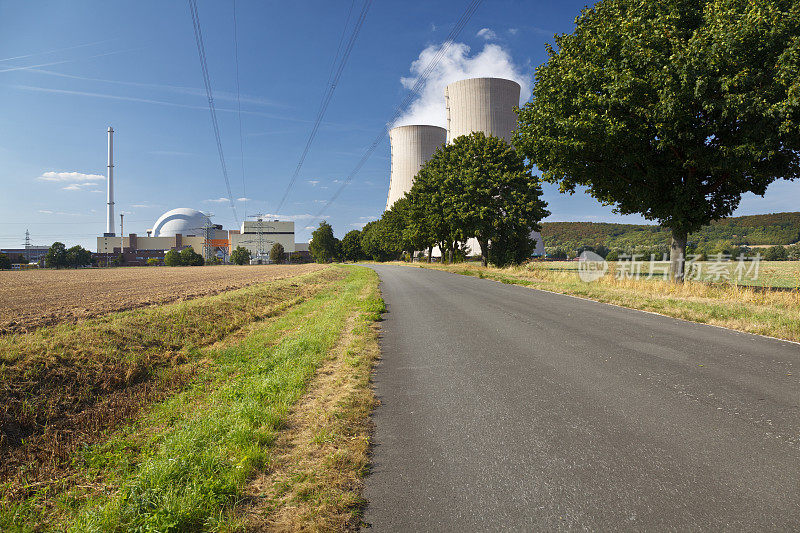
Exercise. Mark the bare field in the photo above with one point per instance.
(33, 298)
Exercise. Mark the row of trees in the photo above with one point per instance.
(476, 187)
(186, 257)
(59, 256)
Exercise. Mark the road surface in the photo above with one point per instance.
(510, 409)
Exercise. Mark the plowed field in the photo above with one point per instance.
(34, 298)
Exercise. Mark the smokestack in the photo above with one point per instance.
(110, 200)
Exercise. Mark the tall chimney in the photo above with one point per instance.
(110, 200)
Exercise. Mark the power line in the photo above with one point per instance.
(201, 51)
(462, 21)
(239, 106)
(328, 95)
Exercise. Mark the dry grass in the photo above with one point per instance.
(765, 312)
(33, 298)
(315, 478)
(62, 387)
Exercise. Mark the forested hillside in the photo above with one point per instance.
(771, 229)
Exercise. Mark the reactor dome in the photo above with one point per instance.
(183, 220)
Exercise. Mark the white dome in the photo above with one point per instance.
(183, 220)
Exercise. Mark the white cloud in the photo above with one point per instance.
(243, 199)
(217, 200)
(98, 190)
(493, 61)
(73, 187)
(513, 31)
(273, 216)
(70, 176)
(487, 34)
(313, 182)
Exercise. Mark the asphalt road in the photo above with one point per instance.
(505, 408)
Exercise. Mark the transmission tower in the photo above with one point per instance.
(28, 246)
(260, 219)
(207, 244)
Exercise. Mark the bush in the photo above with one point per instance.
(172, 258)
(775, 253)
(153, 261)
(276, 253)
(191, 258)
(240, 256)
(5, 262)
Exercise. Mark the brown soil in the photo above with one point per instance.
(33, 298)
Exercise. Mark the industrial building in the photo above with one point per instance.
(32, 254)
(475, 104)
(185, 227)
(411, 147)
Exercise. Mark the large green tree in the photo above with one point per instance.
(323, 243)
(378, 241)
(276, 253)
(77, 256)
(430, 223)
(351, 246)
(56, 256)
(490, 194)
(671, 109)
(240, 256)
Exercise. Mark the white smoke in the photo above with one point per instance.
(493, 61)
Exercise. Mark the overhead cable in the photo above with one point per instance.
(198, 37)
(328, 95)
(239, 107)
(421, 80)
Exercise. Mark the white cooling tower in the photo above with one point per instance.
(482, 104)
(411, 147)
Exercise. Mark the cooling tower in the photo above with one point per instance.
(411, 147)
(481, 104)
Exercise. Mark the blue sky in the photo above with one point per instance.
(70, 69)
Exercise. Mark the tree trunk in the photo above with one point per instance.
(677, 257)
(484, 243)
(430, 253)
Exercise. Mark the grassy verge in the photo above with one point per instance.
(776, 314)
(188, 461)
(781, 274)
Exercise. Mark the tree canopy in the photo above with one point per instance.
(351, 246)
(240, 256)
(276, 253)
(671, 109)
(323, 243)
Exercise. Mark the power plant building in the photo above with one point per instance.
(184, 227)
(411, 147)
(481, 104)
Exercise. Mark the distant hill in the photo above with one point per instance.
(776, 228)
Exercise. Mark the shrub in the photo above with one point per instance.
(240, 256)
(276, 253)
(172, 258)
